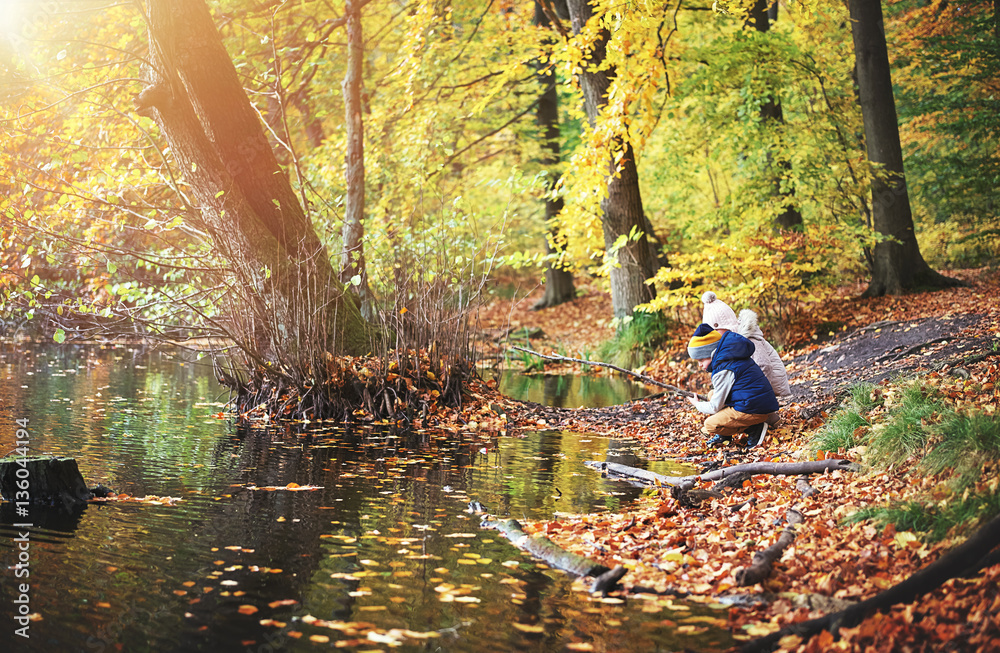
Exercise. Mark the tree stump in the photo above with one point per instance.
(51, 482)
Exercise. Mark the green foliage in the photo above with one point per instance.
(947, 60)
(962, 448)
(636, 340)
(908, 426)
(962, 241)
(846, 427)
(94, 206)
(955, 516)
(968, 444)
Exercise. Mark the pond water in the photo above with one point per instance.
(382, 553)
(570, 390)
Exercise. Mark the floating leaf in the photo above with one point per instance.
(529, 628)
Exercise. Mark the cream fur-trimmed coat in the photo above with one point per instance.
(764, 354)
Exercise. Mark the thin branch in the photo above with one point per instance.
(641, 377)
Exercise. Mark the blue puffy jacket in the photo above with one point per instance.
(752, 392)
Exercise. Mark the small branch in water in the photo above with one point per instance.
(641, 377)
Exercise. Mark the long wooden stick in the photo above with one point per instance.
(641, 377)
(769, 468)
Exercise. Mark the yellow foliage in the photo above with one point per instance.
(778, 274)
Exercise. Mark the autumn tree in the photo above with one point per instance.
(897, 263)
(352, 260)
(558, 280)
(771, 114)
(948, 97)
(294, 302)
(623, 222)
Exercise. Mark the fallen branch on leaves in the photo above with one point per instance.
(554, 555)
(951, 565)
(894, 355)
(760, 566)
(641, 377)
(802, 485)
(741, 471)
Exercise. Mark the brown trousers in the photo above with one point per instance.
(729, 421)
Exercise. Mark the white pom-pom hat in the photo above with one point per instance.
(717, 313)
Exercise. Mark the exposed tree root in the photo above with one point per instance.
(760, 566)
(400, 390)
(894, 355)
(953, 564)
(802, 485)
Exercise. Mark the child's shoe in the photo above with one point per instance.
(756, 435)
(719, 440)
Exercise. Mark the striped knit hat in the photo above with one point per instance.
(704, 342)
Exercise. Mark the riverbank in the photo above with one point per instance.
(700, 549)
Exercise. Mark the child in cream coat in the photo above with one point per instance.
(720, 317)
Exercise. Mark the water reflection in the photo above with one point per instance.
(570, 390)
(384, 543)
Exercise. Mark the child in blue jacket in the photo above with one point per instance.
(742, 400)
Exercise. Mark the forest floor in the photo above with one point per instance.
(674, 546)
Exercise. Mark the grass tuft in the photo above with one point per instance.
(963, 448)
(957, 516)
(838, 433)
(968, 443)
(841, 431)
(863, 396)
(905, 432)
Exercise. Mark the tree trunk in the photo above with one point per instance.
(897, 263)
(770, 112)
(558, 281)
(50, 482)
(352, 258)
(283, 272)
(622, 212)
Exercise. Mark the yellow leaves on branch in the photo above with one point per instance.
(771, 272)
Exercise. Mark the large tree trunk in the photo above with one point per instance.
(770, 112)
(288, 299)
(622, 208)
(898, 264)
(352, 258)
(558, 281)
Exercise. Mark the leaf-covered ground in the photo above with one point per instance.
(948, 338)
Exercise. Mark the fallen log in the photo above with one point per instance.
(951, 565)
(43, 481)
(747, 469)
(760, 566)
(545, 549)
